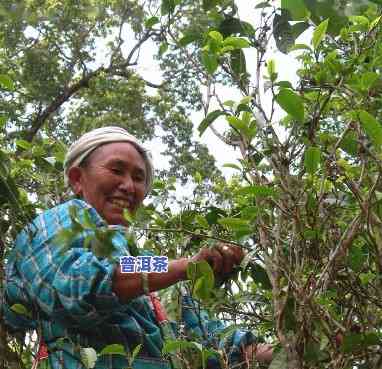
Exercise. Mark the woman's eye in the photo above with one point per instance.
(116, 171)
(139, 178)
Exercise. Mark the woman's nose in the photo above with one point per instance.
(127, 183)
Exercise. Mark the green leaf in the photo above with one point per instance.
(236, 123)
(260, 276)
(202, 221)
(296, 8)
(203, 287)
(217, 36)
(271, 68)
(368, 79)
(189, 38)
(375, 21)
(366, 278)
(284, 84)
(232, 166)
(151, 22)
(132, 242)
(129, 217)
(214, 214)
(21, 309)
(262, 5)
(23, 144)
(246, 100)
(9, 192)
(349, 143)
(300, 47)
(312, 159)
(244, 108)
(282, 32)
(163, 48)
(246, 117)
(175, 345)
(238, 63)
(135, 352)
(229, 103)
(198, 178)
(285, 34)
(323, 9)
(167, 6)
(199, 269)
(319, 33)
(249, 212)
(209, 4)
(310, 234)
(234, 26)
(204, 279)
(87, 221)
(291, 103)
(210, 62)
(356, 258)
(114, 349)
(357, 341)
(298, 28)
(236, 42)
(172, 345)
(209, 119)
(371, 339)
(371, 127)
(361, 22)
(6, 82)
(3, 121)
(236, 224)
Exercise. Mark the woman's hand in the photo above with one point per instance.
(223, 258)
(261, 352)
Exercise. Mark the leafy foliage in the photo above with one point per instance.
(314, 256)
(306, 200)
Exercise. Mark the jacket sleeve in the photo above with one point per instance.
(198, 325)
(72, 286)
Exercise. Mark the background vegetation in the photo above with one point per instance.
(306, 200)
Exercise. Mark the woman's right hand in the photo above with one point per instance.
(223, 258)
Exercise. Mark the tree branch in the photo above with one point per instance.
(202, 235)
(39, 121)
(346, 240)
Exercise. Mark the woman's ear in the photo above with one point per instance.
(75, 179)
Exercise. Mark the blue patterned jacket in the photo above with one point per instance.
(69, 300)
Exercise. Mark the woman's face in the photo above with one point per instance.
(113, 179)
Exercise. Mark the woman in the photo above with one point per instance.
(76, 299)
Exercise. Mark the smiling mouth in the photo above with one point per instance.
(120, 203)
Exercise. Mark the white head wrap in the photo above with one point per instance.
(90, 141)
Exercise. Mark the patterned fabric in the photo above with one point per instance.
(69, 299)
(199, 325)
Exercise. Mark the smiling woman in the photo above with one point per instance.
(112, 179)
(88, 300)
